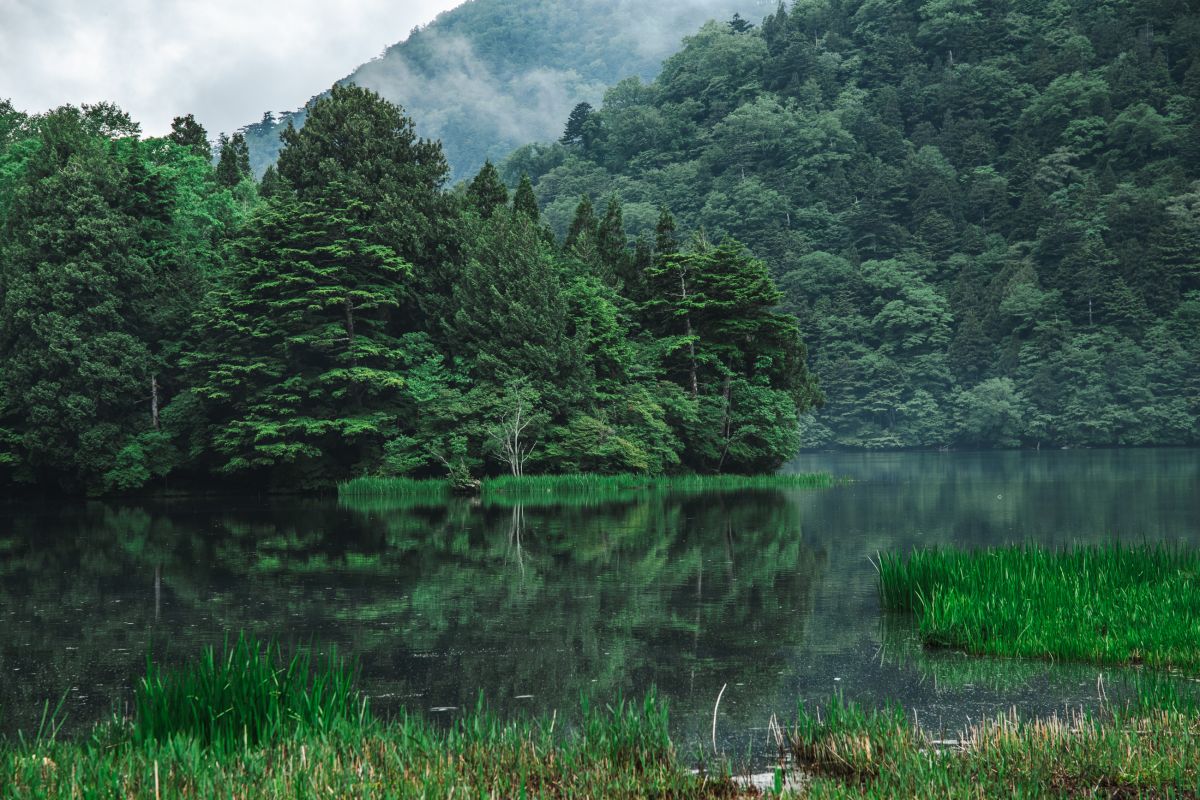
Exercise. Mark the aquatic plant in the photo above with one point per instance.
(1113, 604)
(247, 694)
(534, 486)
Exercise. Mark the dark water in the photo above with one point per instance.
(770, 592)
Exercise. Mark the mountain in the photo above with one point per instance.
(490, 75)
(985, 213)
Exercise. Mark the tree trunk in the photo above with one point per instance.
(154, 400)
(726, 424)
(687, 321)
(350, 330)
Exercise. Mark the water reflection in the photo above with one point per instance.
(771, 592)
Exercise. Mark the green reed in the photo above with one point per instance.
(1112, 604)
(614, 751)
(247, 694)
(535, 486)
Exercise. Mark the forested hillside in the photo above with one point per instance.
(985, 214)
(490, 75)
(163, 322)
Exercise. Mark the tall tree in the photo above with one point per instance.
(294, 355)
(187, 132)
(487, 192)
(233, 160)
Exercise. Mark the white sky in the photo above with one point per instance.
(226, 61)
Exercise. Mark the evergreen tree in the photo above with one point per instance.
(584, 226)
(487, 192)
(233, 160)
(293, 356)
(525, 201)
(611, 243)
(186, 132)
(577, 130)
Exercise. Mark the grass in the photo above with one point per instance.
(247, 694)
(618, 751)
(1115, 604)
(850, 752)
(569, 488)
(183, 744)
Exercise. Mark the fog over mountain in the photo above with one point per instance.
(494, 74)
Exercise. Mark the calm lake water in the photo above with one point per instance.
(770, 592)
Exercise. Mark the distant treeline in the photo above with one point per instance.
(162, 319)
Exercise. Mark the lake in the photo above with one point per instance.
(771, 593)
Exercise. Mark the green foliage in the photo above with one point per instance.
(1109, 605)
(233, 160)
(107, 245)
(982, 216)
(248, 695)
(294, 357)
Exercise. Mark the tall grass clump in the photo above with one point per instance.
(1112, 604)
(247, 694)
(369, 486)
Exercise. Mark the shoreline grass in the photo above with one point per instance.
(847, 751)
(574, 485)
(247, 694)
(623, 750)
(1114, 604)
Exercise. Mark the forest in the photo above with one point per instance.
(166, 322)
(985, 215)
(876, 225)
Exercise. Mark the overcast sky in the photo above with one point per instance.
(226, 61)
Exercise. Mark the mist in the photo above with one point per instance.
(492, 75)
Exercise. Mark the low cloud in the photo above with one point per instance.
(226, 61)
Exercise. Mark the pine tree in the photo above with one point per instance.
(525, 201)
(294, 357)
(583, 226)
(577, 131)
(89, 288)
(611, 244)
(187, 132)
(666, 240)
(233, 161)
(487, 192)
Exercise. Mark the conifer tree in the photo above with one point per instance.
(525, 201)
(487, 192)
(583, 226)
(187, 132)
(233, 161)
(294, 356)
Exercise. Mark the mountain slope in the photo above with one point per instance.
(493, 74)
(985, 213)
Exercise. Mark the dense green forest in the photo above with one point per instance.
(491, 75)
(162, 320)
(984, 213)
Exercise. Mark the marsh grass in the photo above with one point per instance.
(1113, 604)
(612, 751)
(852, 752)
(567, 489)
(248, 694)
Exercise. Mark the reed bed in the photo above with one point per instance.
(619, 751)
(248, 694)
(568, 486)
(851, 752)
(1112, 604)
